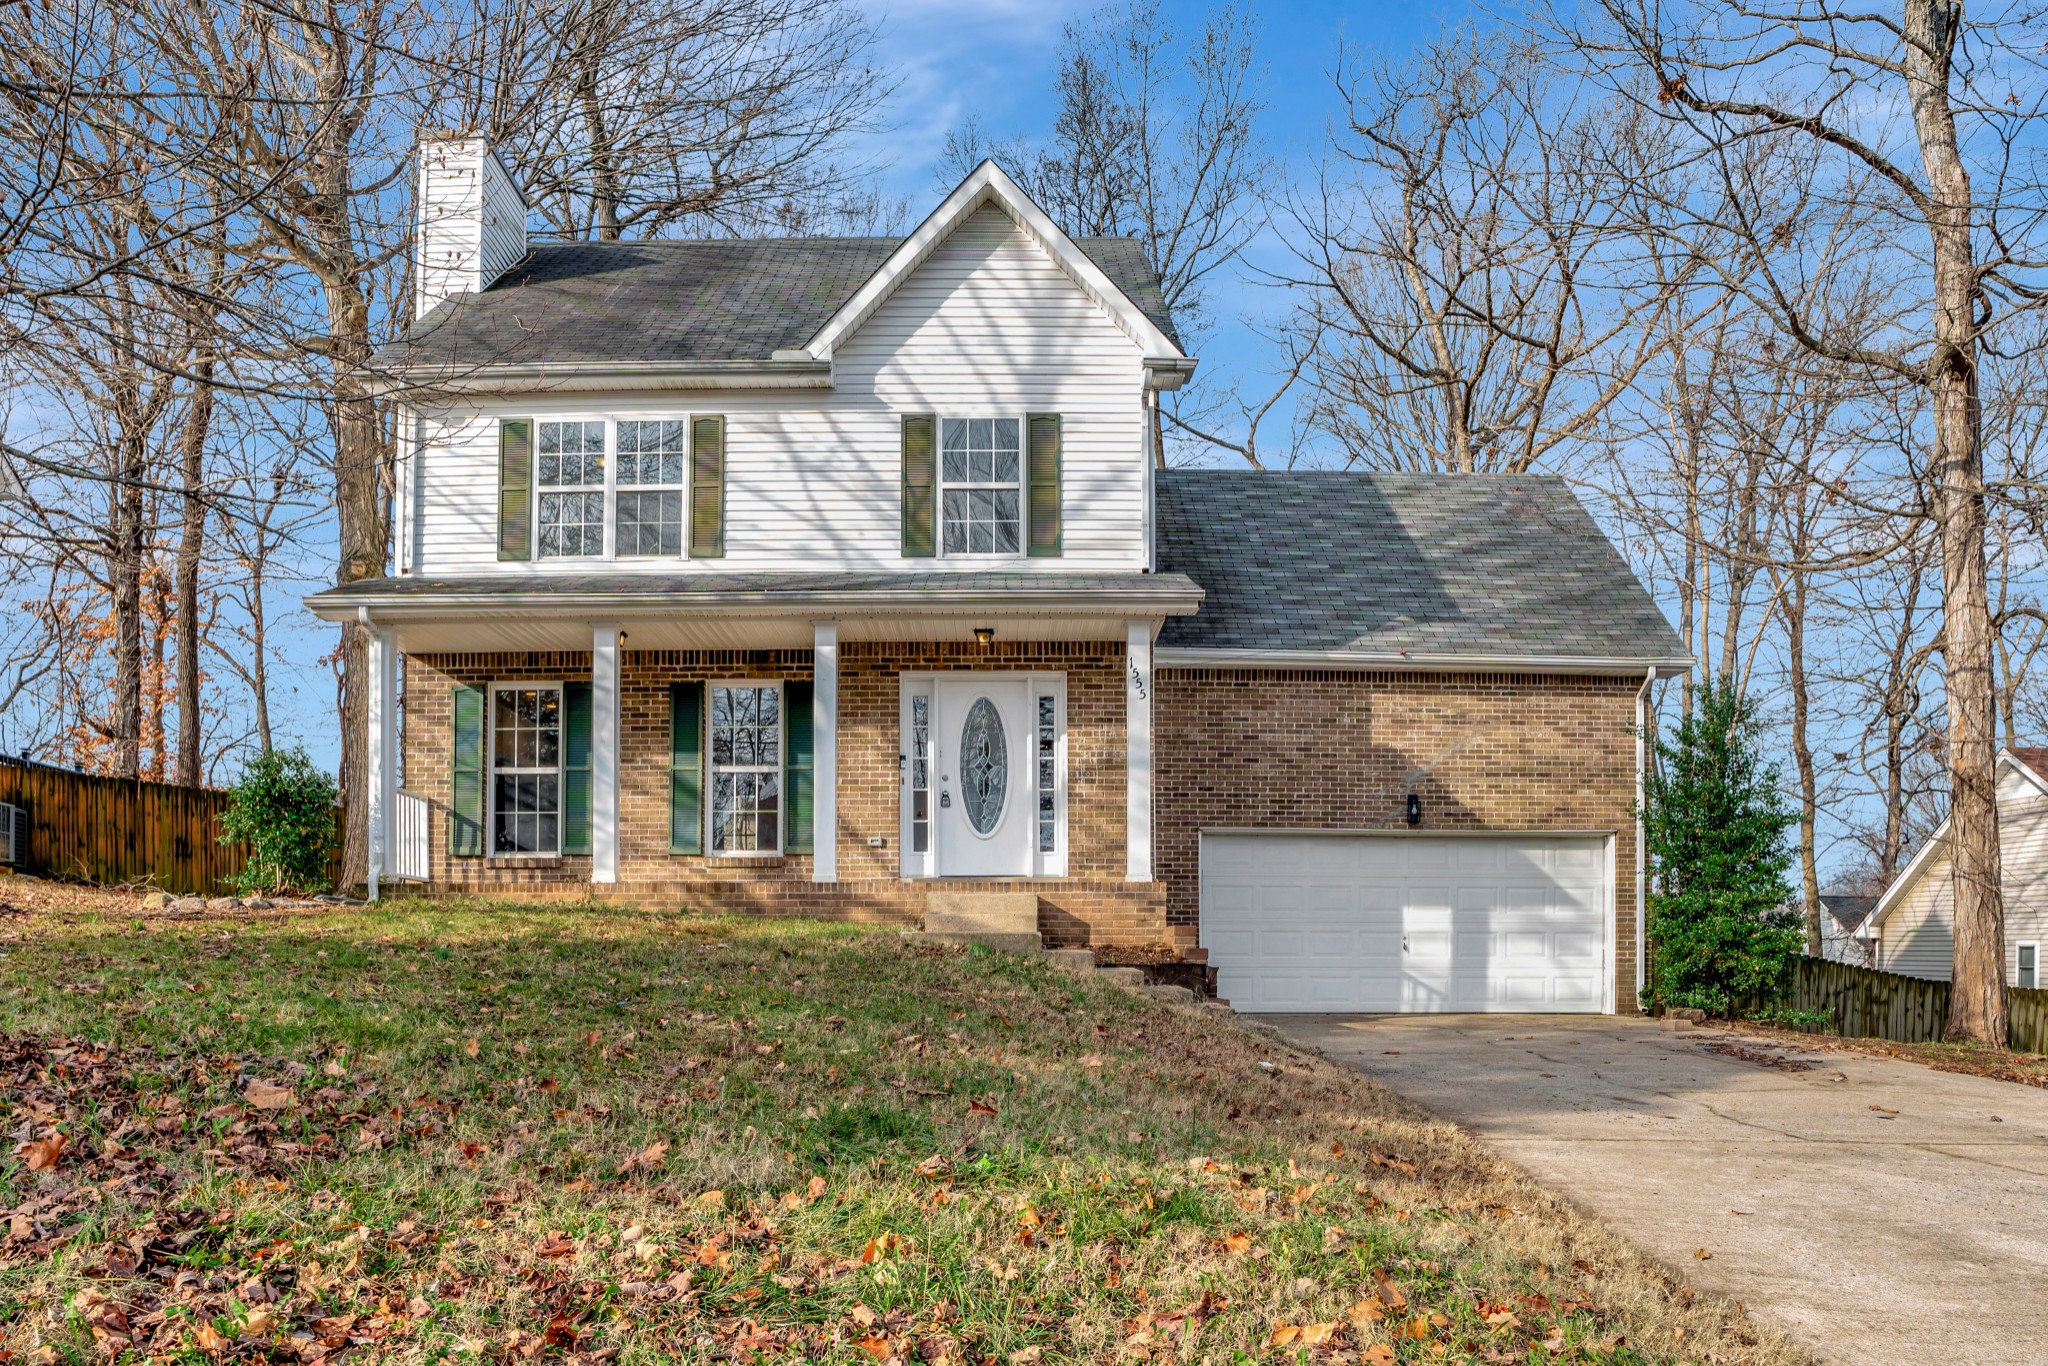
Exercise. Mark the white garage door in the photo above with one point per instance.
(1406, 923)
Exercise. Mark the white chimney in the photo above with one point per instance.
(472, 219)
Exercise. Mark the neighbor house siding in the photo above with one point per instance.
(988, 326)
(1918, 936)
(1328, 750)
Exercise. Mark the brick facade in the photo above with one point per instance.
(1237, 749)
(1091, 905)
(1243, 749)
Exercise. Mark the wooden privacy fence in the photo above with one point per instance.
(1866, 1003)
(115, 831)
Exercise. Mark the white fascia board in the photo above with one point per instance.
(570, 605)
(598, 376)
(2007, 759)
(989, 184)
(1171, 657)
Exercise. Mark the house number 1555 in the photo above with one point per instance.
(1138, 682)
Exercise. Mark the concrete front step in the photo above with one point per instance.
(1073, 960)
(981, 912)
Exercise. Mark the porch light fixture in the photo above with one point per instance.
(1414, 809)
(983, 635)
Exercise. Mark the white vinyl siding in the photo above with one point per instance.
(988, 325)
(1918, 937)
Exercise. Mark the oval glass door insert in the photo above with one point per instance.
(984, 766)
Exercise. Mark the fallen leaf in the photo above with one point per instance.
(211, 1340)
(1283, 1334)
(44, 1153)
(1389, 1293)
(975, 1107)
(1237, 1244)
(1379, 1354)
(1364, 1312)
(1703, 1255)
(472, 1048)
(816, 1188)
(1316, 1334)
(265, 1096)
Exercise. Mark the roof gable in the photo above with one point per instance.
(2016, 773)
(988, 186)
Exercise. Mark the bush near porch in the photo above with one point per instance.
(491, 1132)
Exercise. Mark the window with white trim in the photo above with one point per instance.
(569, 473)
(653, 460)
(526, 768)
(2027, 963)
(746, 768)
(981, 486)
(920, 773)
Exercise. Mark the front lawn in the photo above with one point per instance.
(504, 1133)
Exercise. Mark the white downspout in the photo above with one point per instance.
(372, 790)
(1642, 836)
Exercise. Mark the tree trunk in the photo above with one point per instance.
(1802, 757)
(125, 577)
(191, 545)
(1977, 1000)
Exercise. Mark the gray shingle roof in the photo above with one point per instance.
(680, 302)
(1381, 563)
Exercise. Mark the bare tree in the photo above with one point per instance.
(1893, 100)
(673, 117)
(1460, 261)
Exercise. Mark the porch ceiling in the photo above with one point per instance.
(753, 611)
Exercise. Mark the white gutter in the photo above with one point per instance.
(1395, 661)
(568, 376)
(1642, 835)
(374, 733)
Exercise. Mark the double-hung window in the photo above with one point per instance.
(570, 478)
(2027, 965)
(746, 768)
(981, 486)
(653, 458)
(526, 768)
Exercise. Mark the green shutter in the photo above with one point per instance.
(920, 485)
(515, 489)
(685, 768)
(1042, 480)
(576, 768)
(466, 781)
(707, 488)
(799, 761)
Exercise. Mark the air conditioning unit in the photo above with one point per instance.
(13, 835)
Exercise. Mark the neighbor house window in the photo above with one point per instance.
(526, 769)
(981, 496)
(746, 768)
(652, 461)
(570, 476)
(2029, 975)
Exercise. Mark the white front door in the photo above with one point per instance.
(985, 793)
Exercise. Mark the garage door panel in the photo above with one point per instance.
(1403, 923)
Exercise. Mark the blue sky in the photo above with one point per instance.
(998, 62)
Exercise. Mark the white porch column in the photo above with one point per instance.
(604, 752)
(380, 780)
(1138, 750)
(825, 759)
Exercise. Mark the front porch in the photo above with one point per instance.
(845, 780)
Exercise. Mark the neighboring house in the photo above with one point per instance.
(1912, 929)
(1840, 916)
(11, 490)
(809, 576)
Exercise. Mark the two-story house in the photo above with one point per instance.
(810, 575)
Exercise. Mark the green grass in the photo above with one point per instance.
(604, 1135)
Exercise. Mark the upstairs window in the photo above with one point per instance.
(570, 477)
(653, 459)
(981, 493)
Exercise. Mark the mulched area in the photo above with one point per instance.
(1999, 1064)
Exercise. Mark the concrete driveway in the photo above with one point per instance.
(1881, 1211)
